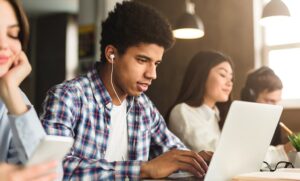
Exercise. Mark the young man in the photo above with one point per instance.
(117, 130)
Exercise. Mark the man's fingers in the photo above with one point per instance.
(191, 161)
(191, 169)
(197, 157)
(206, 155)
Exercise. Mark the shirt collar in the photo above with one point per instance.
(100, 92)
(211, 111)
(217, 113)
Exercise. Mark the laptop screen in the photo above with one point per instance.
(245, 138)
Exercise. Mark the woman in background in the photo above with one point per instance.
(202, 105)
(20, 128)
(264, 86)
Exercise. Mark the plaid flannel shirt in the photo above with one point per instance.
(80, 108)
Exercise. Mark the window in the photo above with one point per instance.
(282, 53)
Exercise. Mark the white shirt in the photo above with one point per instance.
(117, 140)
(197, 127)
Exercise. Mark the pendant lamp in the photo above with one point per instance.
(275, 12)
(189, 25)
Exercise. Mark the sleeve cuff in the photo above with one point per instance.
(128, 170)
(27, 131)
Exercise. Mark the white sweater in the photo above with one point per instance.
(197, 127)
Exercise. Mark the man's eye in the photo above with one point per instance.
(142, 60)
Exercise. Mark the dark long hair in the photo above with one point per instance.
(193, 86)
(23, 22)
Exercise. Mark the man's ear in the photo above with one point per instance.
(110, 53)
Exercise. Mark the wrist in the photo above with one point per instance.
(13, 99)
(145, 170)
(7, 91)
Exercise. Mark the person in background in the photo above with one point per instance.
(119, 134)
(20, 128)
(203, 101)
(264, 86)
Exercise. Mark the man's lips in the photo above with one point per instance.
(142, 86)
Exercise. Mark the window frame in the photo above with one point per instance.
(286, 103)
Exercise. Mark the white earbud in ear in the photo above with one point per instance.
(112, 57)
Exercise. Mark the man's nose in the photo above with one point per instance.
(151, 72)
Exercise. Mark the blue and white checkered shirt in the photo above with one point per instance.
(80, 108)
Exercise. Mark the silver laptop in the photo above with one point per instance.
(245, 138)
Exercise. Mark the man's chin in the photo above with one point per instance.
(135, 93)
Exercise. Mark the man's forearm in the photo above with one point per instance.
(144, 171)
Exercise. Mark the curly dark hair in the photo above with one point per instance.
(132, 23)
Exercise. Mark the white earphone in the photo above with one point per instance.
(112, 57)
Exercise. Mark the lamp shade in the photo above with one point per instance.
(189, 26)
(275, 10)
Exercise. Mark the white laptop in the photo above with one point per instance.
(245, 138)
